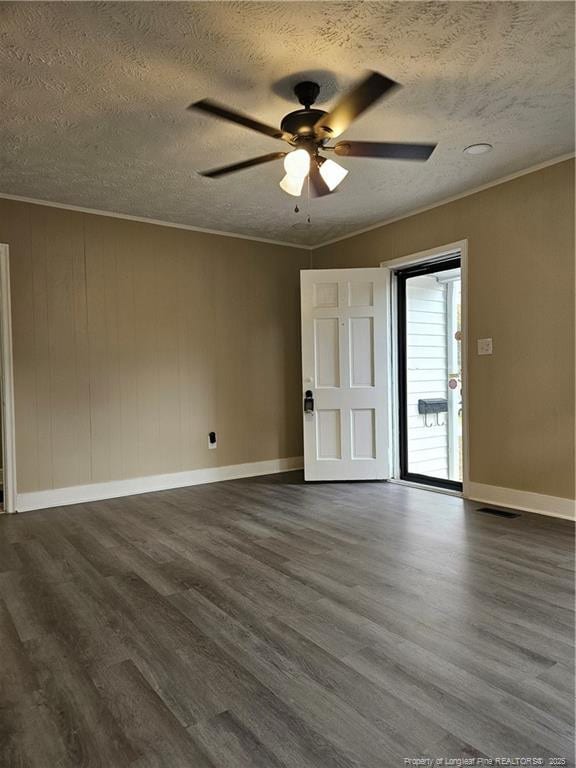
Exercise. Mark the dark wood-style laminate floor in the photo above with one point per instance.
(266, 623)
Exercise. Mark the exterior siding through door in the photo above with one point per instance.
(426, 352)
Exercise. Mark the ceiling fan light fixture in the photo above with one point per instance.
(297, 164)
(292, 184)
(332, 173)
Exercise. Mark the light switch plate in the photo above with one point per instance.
(484, 346)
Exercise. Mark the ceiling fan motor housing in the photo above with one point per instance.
(301, 122)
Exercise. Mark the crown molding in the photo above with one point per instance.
(156, 222)
(446, 200)
(237, 236)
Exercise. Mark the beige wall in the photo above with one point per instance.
(521, 281)
(133, 341)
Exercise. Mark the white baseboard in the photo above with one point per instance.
(79, 494)
(554, 506)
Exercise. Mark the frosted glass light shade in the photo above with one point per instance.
(293, 185)
(332, 173)
(297, 163)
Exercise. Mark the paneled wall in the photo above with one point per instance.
(133, 341)
(521, 293)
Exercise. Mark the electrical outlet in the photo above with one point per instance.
(484, 346)
(212, 440)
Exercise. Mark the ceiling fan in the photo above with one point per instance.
(308, 132)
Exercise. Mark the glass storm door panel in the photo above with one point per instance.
(430, 374)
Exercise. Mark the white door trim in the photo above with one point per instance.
(440, 253)
(452, 355)
(7, 385)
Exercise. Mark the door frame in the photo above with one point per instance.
(402, 275)
(7, 384)
(440, 253)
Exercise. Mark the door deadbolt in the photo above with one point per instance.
(308, 401)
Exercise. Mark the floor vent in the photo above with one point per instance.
(498, 512)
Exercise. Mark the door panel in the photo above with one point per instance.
(325, 294)
(361, 352)
(345, 366)
(327, 351)
(363, 433)
(328, 434)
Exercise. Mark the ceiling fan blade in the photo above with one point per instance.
(384, 149)
(352, 104)
(318, 187)
(217, 110)
(214, 173)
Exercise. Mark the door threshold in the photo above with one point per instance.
(424, 487)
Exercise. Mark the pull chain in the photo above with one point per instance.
(308, 202)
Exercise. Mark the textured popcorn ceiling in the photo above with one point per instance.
(94, 95)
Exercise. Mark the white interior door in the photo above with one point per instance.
(345, 368)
